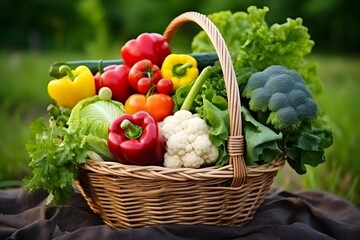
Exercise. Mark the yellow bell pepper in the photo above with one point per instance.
(181, 69)
(75, 86)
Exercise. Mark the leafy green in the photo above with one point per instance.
(91, 117)
(58, 147)
(261, 141)
(214, 85)
(253, 43)
(307, 145)
(94, 134)
(55, 156)
(95, 109)
(216, 114)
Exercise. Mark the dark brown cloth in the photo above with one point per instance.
(283, 215)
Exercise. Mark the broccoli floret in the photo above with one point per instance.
(282, 94)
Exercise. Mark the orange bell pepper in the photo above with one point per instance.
(158, 105)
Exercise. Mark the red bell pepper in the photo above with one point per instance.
(136, 139)
(115, 77)
(152, 46)
(143, 75)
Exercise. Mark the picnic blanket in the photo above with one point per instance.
(283, 215)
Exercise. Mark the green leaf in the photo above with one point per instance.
(99, 146)
(307, 145)
(261, 141)
(55, 156)
(216, 115)
(308, 141)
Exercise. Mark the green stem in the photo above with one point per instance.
(151, 90)
(180, 70)
(101, 67)
(131, 130)
(195, 88)
(66, 69)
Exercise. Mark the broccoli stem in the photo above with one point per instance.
(195, 88)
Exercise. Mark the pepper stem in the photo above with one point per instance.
(66, 69)
(131, 130)
(180, 70)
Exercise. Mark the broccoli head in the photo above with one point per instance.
(282, 95)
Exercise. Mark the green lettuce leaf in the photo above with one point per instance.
(216, 114)
(94, 137)
(261, 141)
(307, 145)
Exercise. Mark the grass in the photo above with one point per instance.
(23, 97)
(340, 101)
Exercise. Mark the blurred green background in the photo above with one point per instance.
(36, 33)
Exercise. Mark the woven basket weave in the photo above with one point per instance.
(128, 196)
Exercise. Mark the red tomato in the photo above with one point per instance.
(143, 85)
(141, 69)
(165, 86)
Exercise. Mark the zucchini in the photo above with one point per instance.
(203, 60)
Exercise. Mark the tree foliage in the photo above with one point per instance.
(81, 25)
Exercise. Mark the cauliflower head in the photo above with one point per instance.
(282, 94)
(187, 141)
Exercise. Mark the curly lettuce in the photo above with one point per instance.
(253, 43)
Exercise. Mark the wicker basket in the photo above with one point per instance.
(128, 196)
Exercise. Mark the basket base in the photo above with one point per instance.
(124, 201)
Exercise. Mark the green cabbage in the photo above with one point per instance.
(91, 118)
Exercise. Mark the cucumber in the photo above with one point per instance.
(203, 60)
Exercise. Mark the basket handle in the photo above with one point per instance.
(235, 143)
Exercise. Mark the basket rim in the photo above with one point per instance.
(176, 174)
